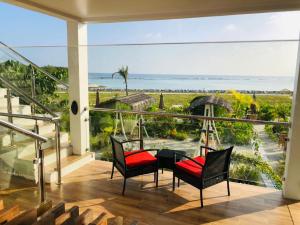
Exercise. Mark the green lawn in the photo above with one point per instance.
(184, 98)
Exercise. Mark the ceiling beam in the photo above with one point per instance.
(168, 10)
(27, 4)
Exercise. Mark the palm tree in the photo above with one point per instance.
(123, 72)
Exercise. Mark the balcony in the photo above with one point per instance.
(176, 120)
(69, 147)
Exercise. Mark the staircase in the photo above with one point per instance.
(17, 159)
(46, 214)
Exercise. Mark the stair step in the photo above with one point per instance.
(50, 154)
(25, 123)
(15, 101)
(46, 130)
(20, 161)
(3, 92)
(19, 109)
(68, 165)
(27, 148)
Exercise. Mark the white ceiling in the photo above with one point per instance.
(132, 10)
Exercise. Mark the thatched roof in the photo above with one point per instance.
(210, 100)
(137, 101)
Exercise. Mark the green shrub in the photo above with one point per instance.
(266, 112)
(160, 126)
(178, 135)
(283, 111)
(235, 133)
(100, 121)
(271, 134)
(106, 156)
(65, 120)
(274, 131)
(245, 172)
(260, 164)
(279, 167)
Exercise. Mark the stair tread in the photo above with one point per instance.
(47, 152)
(50, 136)
(67, 161)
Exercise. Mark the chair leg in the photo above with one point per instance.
(173, 181)
(124, 185)
(162, 170)
(228, 188)
(178, 182)
(201, 198)
(157, 178)
(112, 171)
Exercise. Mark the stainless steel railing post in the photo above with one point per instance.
(141, 136)
(41, 175)
(37, 131)
(58, 148)
(9, 111)
(33, 90)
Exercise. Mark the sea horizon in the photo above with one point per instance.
(193, 82)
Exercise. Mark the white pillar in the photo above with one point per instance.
(78, 86)
(291, 186)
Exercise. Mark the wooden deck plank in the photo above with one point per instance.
(91, 187)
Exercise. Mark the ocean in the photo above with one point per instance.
(193, 82)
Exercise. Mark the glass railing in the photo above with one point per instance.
(39, 83)
(21, 165)
(259, 146)
(262, 72)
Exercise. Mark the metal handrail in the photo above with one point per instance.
(29, 98)
(30, 117)
(35, 66)
(196, 117)
(22, 131)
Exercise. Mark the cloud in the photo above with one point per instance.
(153, 36)
(285, 23)
(230, 27)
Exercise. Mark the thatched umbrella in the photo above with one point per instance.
(210, 100)
(97, 98)
(207, 103)
(161, 102)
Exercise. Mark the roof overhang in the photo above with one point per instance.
(86, 11)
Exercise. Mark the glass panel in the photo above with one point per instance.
(261, 72)
(33, 81)
(259, 150)
(17, 171)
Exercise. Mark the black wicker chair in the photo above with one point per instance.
(134, 163)
(203, 172)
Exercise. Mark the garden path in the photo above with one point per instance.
(269, 149)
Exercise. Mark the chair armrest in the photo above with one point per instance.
(141, 151)
(193, 160)
(132, 140)
(208, 148)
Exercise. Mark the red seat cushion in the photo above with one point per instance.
(139, 159)
(191, 167)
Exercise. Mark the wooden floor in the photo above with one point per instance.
(90, 187)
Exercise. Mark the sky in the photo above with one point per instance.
(23, 28)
